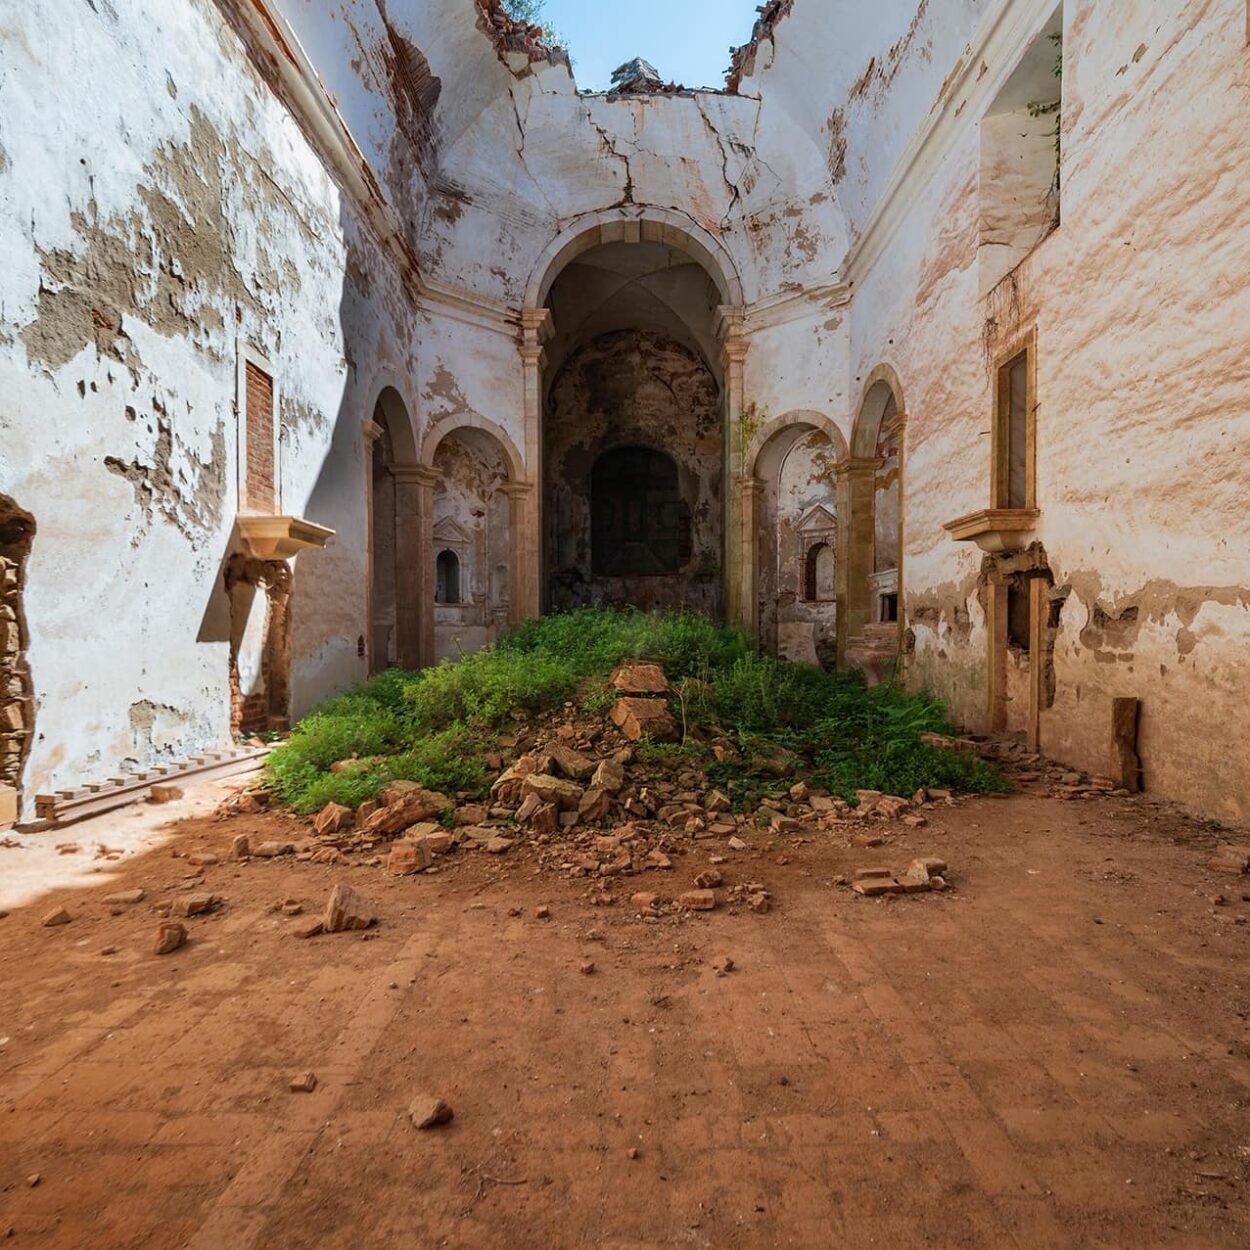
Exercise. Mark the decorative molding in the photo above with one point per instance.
(781, 307)
(995, 530)
(1005, 30)
(819, 518)
(281, 537)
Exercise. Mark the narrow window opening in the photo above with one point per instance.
(447, 578)
(818, 574)
(258, 403)
(1013, 487)
(889, 608)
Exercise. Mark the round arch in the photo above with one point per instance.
(454, 422)
(653, 225)
(880, 387)
(397, 415)
(790, 427)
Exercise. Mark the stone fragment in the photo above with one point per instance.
(759, 902)
(499, 845)
(640, 679)
(436, 843)
(241, 847)
(717, 801)
(1125, 763)
(868, 799)
(271, 850)
(546, 819)
(870, 887)
(890, 807)
(425, 1111)
(657, 859)
(352, 765)
(800, 791)
(572, 763)
(586, 967)
(925, 867)
(108, 950)
(737, 844)
(407, 858)
(164, 794)
(723, 964)
(698, 900)
(558, 791)
(333, 818)
(1230, 859)
(57, 916)
(412, 807)
(636, 717)
(125, 897)
(645, 901)
(202, 859)
(608, 776)
(542, 913)
(309, 929)
(471, 814)
(347, 910)
(169, 937)
(365, 810)
(595, 805)
(304, 1083)
(709, 879)
(196, 905)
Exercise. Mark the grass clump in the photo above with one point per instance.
(434, 727)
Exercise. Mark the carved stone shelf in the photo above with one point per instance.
(996, 530)
(280, 537)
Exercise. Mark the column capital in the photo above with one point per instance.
(419, 474)
(537, 325)
(517, 490)
(857, 464)
(370, 432)
(751, 486)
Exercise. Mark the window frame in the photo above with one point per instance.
(249, 355)
(1000, 449)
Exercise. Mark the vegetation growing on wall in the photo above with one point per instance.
(782, 721)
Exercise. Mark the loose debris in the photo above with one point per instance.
(425, 1111)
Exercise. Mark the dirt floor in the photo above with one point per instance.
(1052, 1052)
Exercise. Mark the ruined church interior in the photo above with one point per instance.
(739, 594)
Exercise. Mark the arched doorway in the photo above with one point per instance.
(642, 350)
(794, 517)
(873, 550)
(394, 555)
(472, 536)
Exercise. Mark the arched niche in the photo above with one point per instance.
(872, 554)
(793, 501)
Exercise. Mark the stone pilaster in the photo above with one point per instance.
(414, 564)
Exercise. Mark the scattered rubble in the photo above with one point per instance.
(57, 916)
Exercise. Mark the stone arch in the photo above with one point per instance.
(651, 225)
(394, 556)
(880, 388)
(783, 522)
(471, 479)
(875, 620)
(455, 422)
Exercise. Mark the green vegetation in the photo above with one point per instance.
(434, 727)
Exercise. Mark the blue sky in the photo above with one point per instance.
(688, 41)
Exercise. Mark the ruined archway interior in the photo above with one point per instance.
(633, 442)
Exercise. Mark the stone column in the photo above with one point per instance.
(370, 432)
(750, 491)
(536, 328)
(414, 564)
(523, 600)
(739, 607)
(856, 478)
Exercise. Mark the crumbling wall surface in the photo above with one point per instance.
(1138, 300)
(632, 389)
(158, 210)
